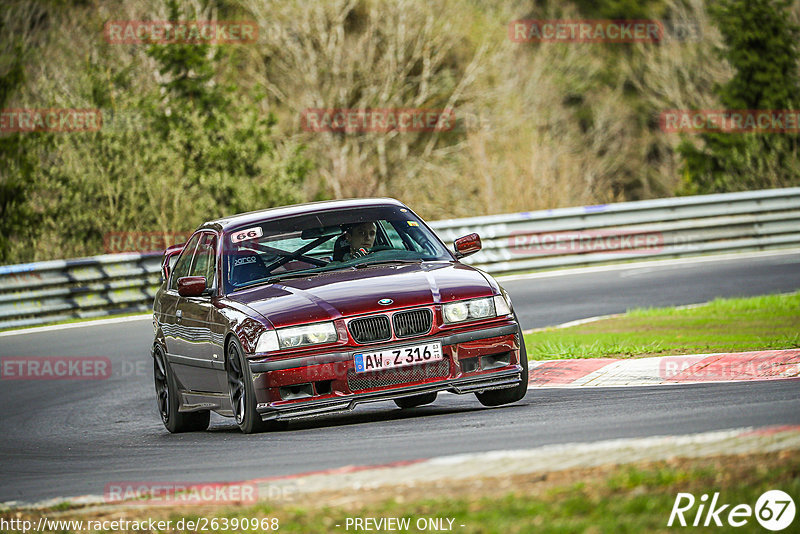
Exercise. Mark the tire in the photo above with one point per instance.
(498, 397)
(167, 400)
(240, 386)
(415, 400)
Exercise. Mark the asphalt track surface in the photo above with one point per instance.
(66, 438)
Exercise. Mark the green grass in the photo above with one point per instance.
(622, 499)
(630, 499)
(724, 325)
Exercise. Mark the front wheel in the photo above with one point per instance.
(498, 397)
(167, 398)
(243, 397)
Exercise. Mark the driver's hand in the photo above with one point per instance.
(360, 253)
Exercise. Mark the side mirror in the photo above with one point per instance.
(191, 286)
(466, 245)
(170, 257)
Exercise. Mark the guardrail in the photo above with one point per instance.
(662, 228)
(37, 293)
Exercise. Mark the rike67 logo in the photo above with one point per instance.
(774, 510)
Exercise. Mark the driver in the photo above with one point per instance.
(360, 238)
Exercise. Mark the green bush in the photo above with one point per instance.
(761, 46)
(186, 149)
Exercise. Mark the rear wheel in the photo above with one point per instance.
(498, 397)
(415, 400)
(243, 397)
(167, 399)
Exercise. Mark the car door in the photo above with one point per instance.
(168, 318)
(201, 357)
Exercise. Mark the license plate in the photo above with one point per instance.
(397, 357)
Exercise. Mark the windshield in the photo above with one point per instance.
(338, 239)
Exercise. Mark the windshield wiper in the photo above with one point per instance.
(384, 262)
(287, 276)
(271, 280)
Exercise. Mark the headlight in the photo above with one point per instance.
(456, 312)
(481, 308)
(466, 310)
(267, 342)
(296, 336)
(311, 334)
(501, 305)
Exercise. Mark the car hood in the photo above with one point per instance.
(331, 295)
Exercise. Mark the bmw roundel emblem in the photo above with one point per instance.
(385, 302)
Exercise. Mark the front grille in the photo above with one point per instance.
(391, 377)
(412, 323)
(370, 329)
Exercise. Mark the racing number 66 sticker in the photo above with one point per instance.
(244, 235)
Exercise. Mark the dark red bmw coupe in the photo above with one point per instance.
(310, 309)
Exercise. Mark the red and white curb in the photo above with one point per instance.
(694, 368)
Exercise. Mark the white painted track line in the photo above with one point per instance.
(67, 326)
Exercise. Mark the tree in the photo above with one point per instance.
(225, 143)
(761, 46)
(196, 149)
(17, 167)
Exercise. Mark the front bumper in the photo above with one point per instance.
(476, 360)
(495, 380)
